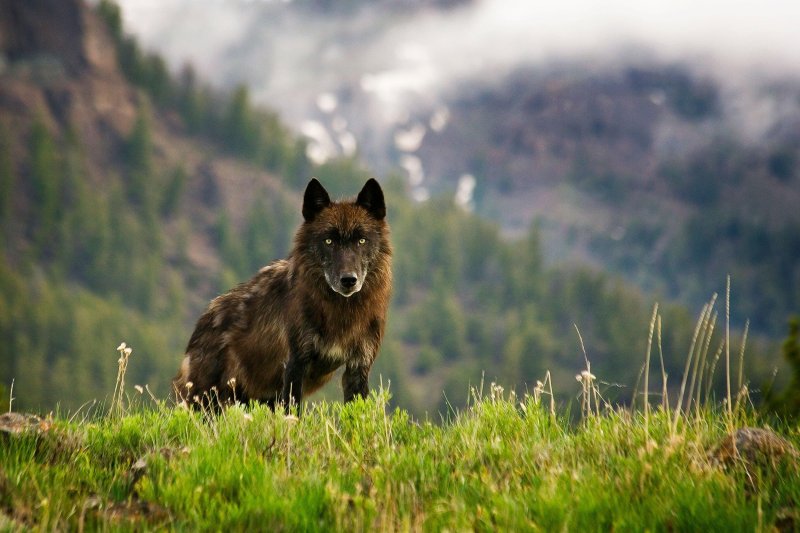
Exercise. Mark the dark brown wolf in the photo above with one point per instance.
(282, 334)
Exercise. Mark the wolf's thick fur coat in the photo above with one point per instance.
(282, 334)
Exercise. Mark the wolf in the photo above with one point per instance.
(281, 335)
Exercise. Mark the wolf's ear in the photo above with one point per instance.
(371, 199)
(314, 200)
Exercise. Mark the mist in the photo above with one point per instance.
(278, 40)
(351, 78)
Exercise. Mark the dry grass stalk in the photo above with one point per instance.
(647, 371)
(119, 388)
(728, 351)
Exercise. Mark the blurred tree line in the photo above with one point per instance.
(717, 234)
(467, 302)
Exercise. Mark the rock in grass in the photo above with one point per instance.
(16, 423)
(754, 447)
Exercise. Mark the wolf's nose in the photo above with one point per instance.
(349, 281)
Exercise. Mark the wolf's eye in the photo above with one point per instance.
(362, 241)
(328, 241)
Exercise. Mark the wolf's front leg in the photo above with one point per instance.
(355, 381)
(293, 377)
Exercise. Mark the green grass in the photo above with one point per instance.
(501, 463)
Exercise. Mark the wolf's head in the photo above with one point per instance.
(344, 239)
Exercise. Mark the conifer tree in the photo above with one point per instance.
(230, 246)
(240, 130)
(45, 186)
(141, 187)
(6, 176)
(191, 103)
(788, 403)
(174, 188)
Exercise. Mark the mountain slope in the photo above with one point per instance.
(114, 212)
(648, 171)
(671, 172)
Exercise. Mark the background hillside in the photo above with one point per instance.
(655, 142)
(132, 194)
(643, 170)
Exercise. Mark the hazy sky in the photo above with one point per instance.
(744, 33)
(288, 57)
(392, 66)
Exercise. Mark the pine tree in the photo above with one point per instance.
(6, 176)
(139, 146)
(230, 247)
(789, 402)
(191, 102)
(260, 227)
(112, 15)
(73, 189)
(528, 268)
(171, 197)
(157, 81)
(141, 187)
(45, 186)
(240, 130)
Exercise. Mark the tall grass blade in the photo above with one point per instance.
(740, 387)
(728, 352)
(698, 346)
(647, 373)
(689, 362)
(664, 390)
(703, 351)
(711, 372)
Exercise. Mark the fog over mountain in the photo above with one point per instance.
(380, 78)
(399, 53)
(280, 46)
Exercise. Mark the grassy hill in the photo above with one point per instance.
(504, 462)
(130, 196)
